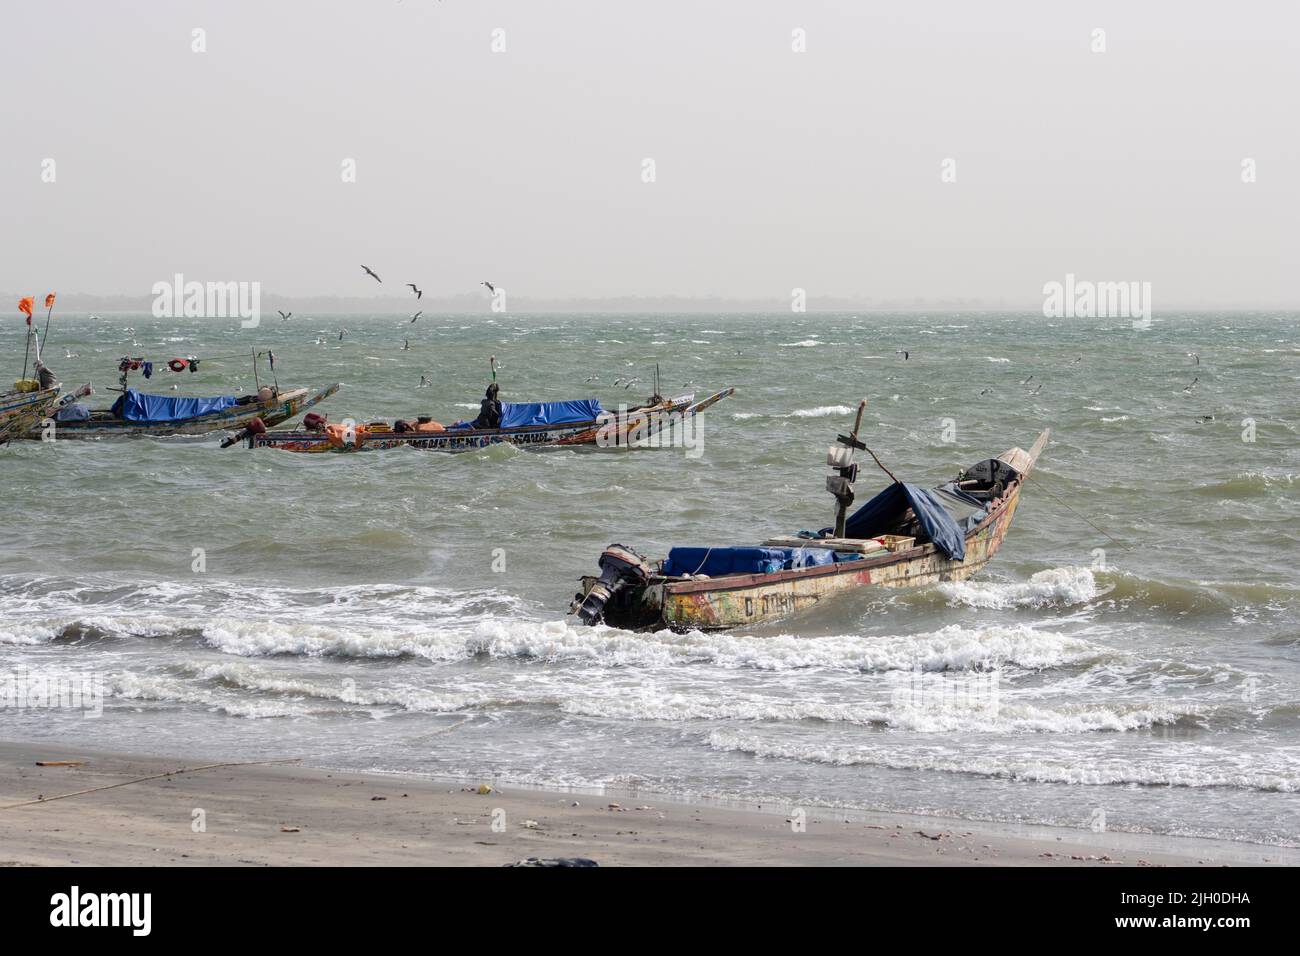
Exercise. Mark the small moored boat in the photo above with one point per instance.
(139, 414)
(906, 536)
(530, 424)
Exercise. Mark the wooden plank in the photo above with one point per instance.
(852, 545)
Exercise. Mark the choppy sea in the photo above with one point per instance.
(1133, 651)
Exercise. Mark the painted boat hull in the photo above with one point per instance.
(620, 433)
(742, 600)
(21, 412)
(282, 408)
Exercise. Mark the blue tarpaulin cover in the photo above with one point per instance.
(518, 414)
(136, 406)
(880, 515)
(716, 562)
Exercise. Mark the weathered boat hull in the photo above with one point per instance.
(618, 433)
(21, 412)
(740, 600)
(281, 409)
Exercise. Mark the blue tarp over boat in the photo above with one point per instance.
(881, 514)
(136, 406)
(518, 414)
(716, 562)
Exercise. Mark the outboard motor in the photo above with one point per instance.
(255, 427)
(619, 567)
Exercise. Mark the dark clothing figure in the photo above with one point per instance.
(489, 412)
(45, 378)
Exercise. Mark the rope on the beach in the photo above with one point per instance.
(155, 776)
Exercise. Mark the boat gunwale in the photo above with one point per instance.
(224, 419)
(744, 581)
(271, 439)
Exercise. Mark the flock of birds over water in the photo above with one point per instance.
(629, 382)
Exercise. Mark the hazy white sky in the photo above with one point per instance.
(775, 169)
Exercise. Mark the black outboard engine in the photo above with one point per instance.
(619, 567)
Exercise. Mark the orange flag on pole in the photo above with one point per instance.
(25, 306)
(49, 301)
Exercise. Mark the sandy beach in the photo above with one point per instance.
(278, 814)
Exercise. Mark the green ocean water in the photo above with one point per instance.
(405, 610)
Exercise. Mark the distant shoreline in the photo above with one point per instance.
(389, 306)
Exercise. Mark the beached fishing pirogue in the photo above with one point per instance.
(906, 536)
(529, 424)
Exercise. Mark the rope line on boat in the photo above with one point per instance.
(1084, 518)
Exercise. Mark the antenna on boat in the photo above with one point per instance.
(840, 457)
(257, 385)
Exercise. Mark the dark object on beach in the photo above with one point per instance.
(555, 861)
(906, 536)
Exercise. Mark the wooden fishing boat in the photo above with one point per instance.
(21, 412)
(637, 427)
(231, 413)
(636, 594)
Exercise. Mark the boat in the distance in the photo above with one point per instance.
(906, 536)
(530, 424)
(138, 413)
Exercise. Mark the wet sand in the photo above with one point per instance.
(287, 814)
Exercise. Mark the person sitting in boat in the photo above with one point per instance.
(44, 377)
(489, 412)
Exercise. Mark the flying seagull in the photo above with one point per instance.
(419, 293)
(1027, 381)
(342, 332)
(1195, 356)
(406, 346)
(417, 315)
(371, 272)
(1193, 385)
(491, 287)
(285, 315)
(903, 352)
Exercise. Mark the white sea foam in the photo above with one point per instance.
(1178, 770)
(805, 344)
(821, 411)
(1055, 587)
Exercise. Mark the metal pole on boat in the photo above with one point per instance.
(840, 457)
(40, 343)
(257, 384)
